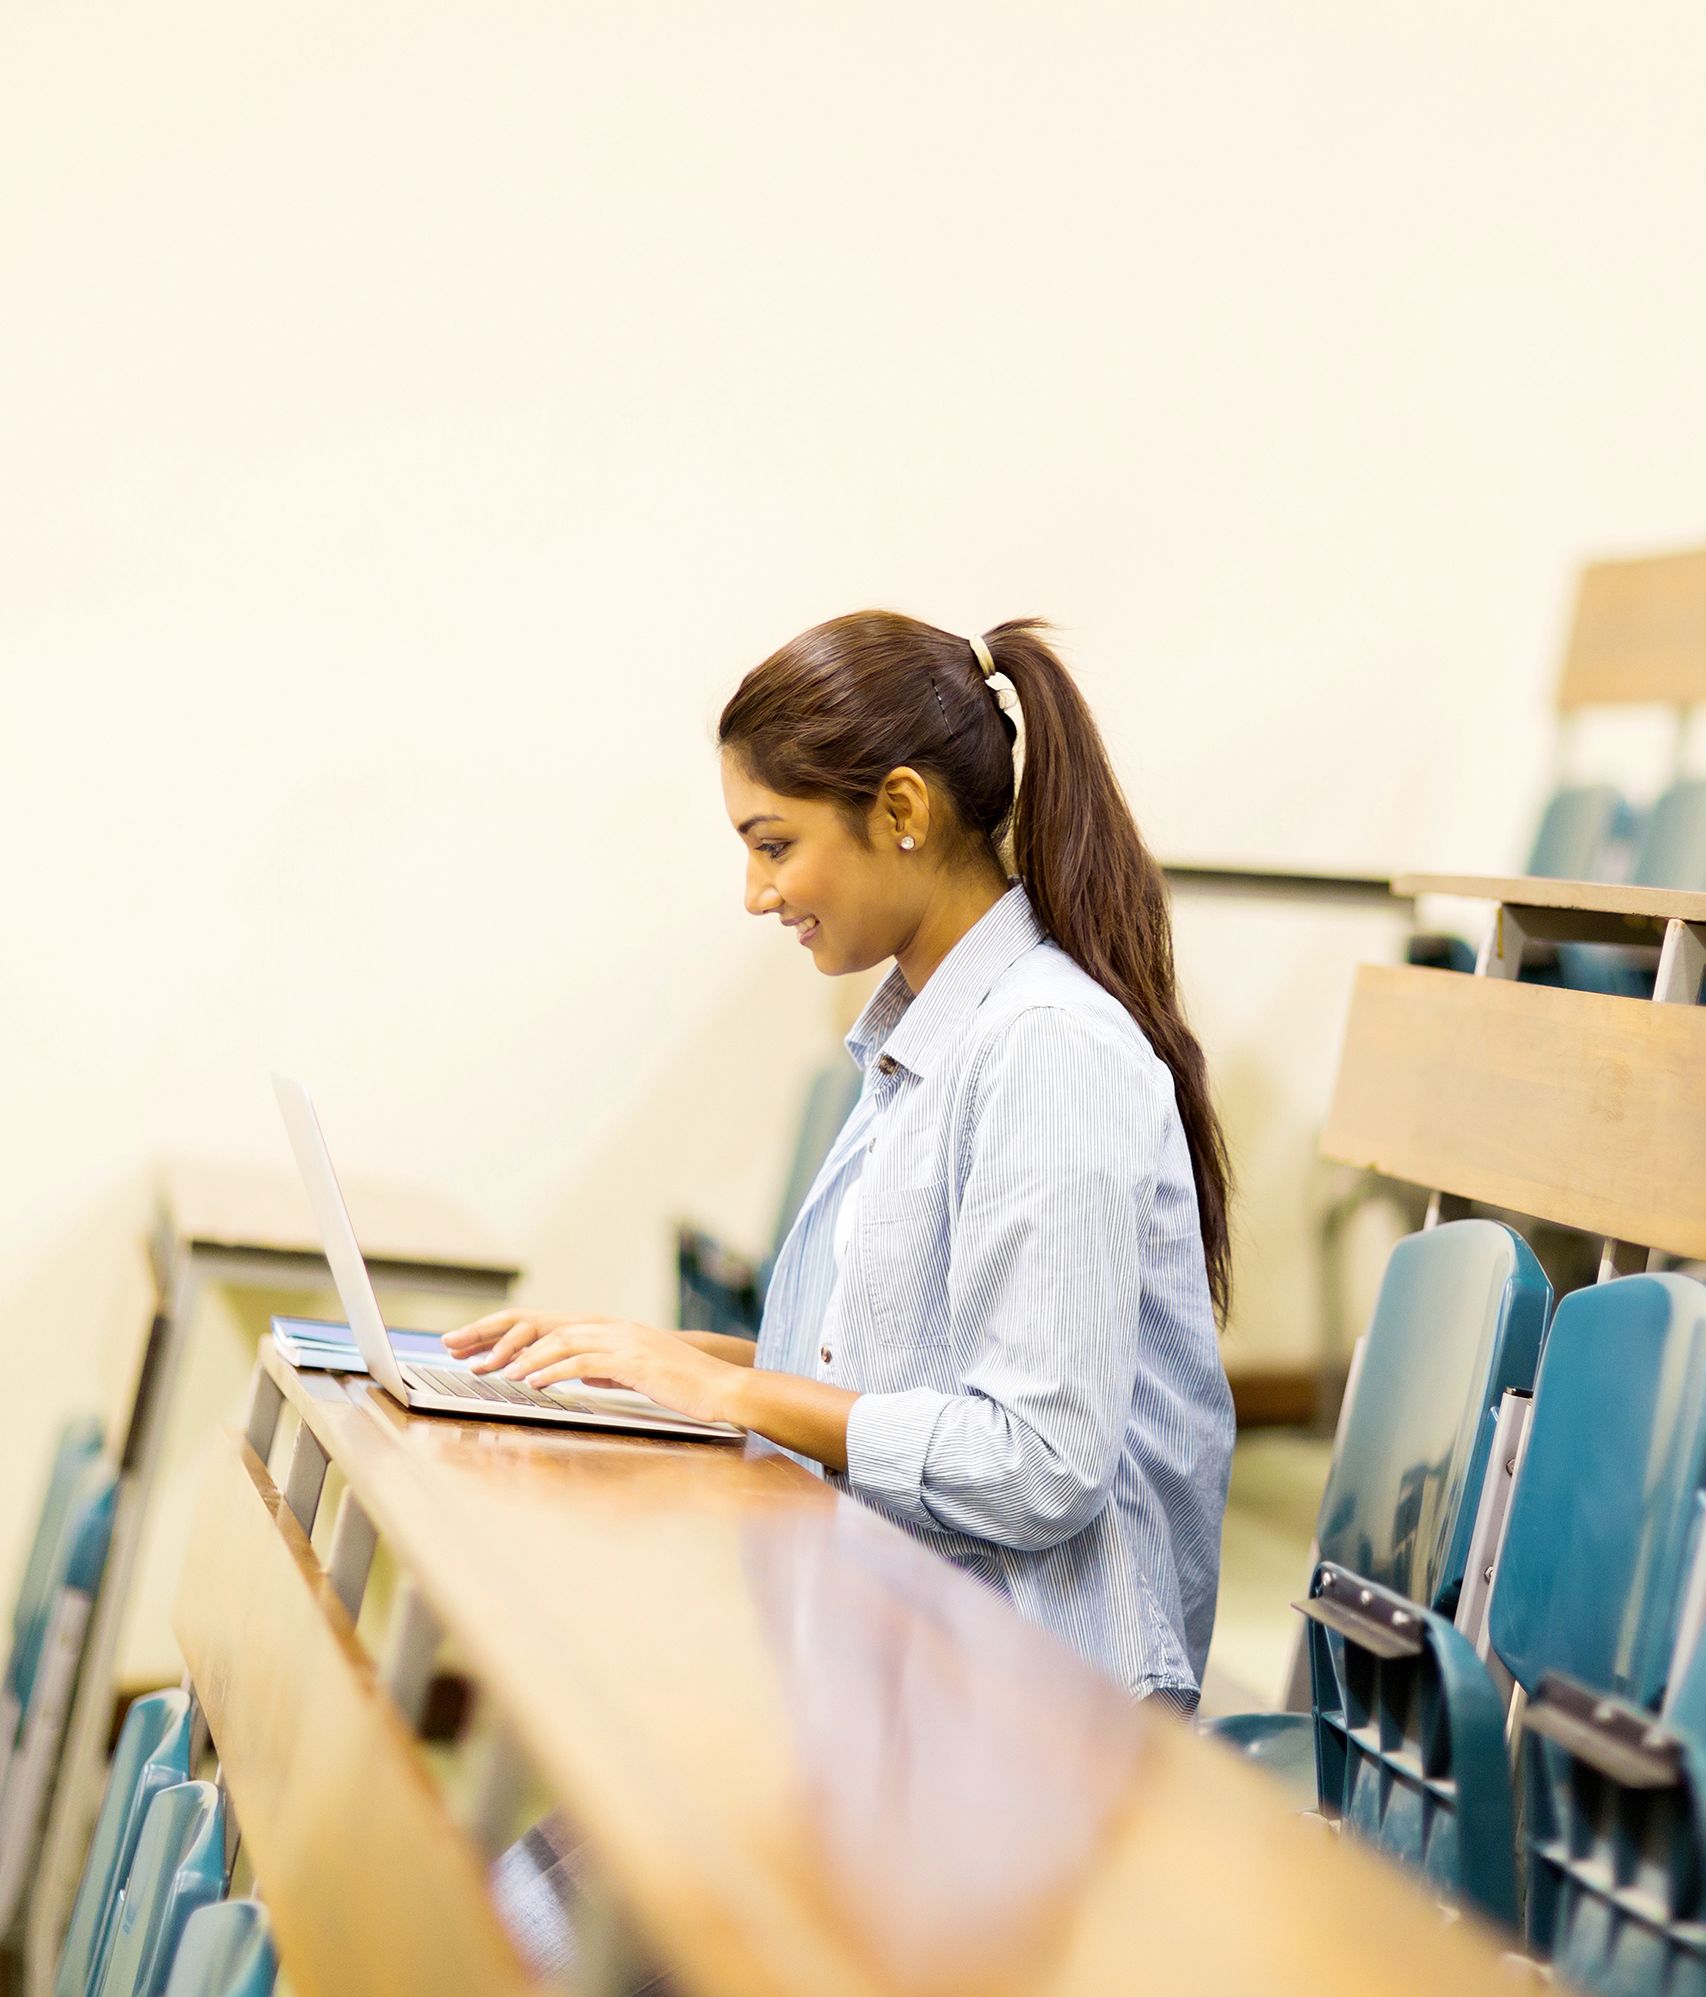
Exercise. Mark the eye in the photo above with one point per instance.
(773, 849)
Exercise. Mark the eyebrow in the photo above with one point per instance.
(758, 818)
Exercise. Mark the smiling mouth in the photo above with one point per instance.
(805, 928)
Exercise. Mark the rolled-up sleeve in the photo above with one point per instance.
(1065, 1139)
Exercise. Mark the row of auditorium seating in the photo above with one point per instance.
(1589, 832)
(151, 1918)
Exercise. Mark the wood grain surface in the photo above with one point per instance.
(811, 1756)
(1572, 1107)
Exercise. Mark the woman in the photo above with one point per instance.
(994, 1317)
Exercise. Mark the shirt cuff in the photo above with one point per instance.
(888, 1437)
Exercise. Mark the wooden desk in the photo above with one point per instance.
(808, 1755)
(215, 1224)
(1569, 911)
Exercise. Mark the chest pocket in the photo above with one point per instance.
(903, 1249)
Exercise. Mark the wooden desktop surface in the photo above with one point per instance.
(813, 1757)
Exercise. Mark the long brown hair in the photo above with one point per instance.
(839, 707)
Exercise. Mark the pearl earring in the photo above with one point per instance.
(907, 843)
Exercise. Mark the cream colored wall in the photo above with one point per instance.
(416, 419)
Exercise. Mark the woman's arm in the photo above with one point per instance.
(703, 1374)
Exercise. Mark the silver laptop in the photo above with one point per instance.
(448, 1389)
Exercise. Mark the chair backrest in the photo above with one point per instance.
(1604, 1515)
(179, 1867)
(1580, 833)
(153, 1753)
(1672, 851)
(1459, 1320)
(829, 1102)
(227, 1951)
(1409, 1740)
(79, 1445)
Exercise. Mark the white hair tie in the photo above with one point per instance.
(985, 658)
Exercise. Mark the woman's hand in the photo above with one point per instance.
(546, 1348)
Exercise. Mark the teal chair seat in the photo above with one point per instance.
(179, 1867)
(1604, 1517)
(42, 1675)
(227, 1951)
(1457, 1323)
(1601, 1538)
(1402, 1703)
(153, 1753)
(1282, 1745)
(78, 1447)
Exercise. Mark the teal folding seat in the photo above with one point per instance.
(1601, 1537)
(227, 1951)
(720, 1290)
(179, 1867)
(1615, 1839)
(46, 1657)
(1401, 1702)
(1586, 833)
(153, 1753)
(1458, 1323)
(1672, 851)
(1582, 831)
(1605, 1514)
(79, 1445)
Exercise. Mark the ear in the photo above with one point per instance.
(901, 811)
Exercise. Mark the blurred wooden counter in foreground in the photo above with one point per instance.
(804, 1754)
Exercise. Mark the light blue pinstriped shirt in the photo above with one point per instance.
(1022, 1302)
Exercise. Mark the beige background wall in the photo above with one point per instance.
(415, 419)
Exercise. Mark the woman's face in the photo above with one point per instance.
(851, 904)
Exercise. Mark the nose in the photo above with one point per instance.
(761, 897)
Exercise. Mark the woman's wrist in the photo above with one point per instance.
(807, 1416)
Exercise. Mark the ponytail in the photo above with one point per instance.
(839, 707)
(1098, 891)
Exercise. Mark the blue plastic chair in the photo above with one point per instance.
(78, 1446)
(1615, 1839)
(1458, 1322)
(227, 1951)
(1605, 1513)
(153, 1753)
(1586, 833)
(1615, 1798)
(1401, 1701)
(1581, 832)
(179, 1867)
(719, 1290)
(1672, 852)
(42, 1673)
(1603, 1523)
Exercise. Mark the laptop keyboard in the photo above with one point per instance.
(480, 1387)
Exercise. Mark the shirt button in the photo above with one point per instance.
(825, 1354)
(887, 1065)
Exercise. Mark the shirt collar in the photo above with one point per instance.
(914, 1031)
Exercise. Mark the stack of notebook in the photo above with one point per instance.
(331, 1348)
